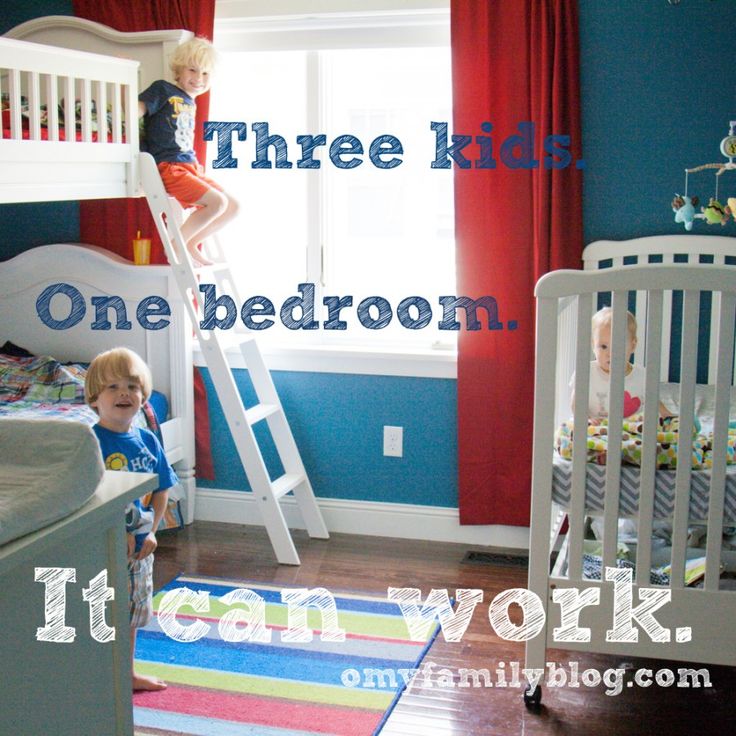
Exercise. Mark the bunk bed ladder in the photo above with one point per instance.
(168, 216)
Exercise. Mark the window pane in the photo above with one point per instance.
(385, 232)
(389, 232)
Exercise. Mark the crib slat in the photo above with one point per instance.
(34, 106)
(653, 340)
(615, 422)
(70, 123)
(117, 114)
(667, 322)
(86, 101)
(724, 368)
(16, 123)
(580, 437)
(130, 109)
(640, 311)
(52, 106)
(688, 366)
(102, 112)
(544, 416)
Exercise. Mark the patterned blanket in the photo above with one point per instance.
(668, 437)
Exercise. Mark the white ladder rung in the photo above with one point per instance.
(285, 483)
(259, 412)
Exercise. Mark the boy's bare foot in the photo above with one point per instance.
(141, 682)
(197, 257)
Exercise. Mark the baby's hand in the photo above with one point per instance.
(594, 421)
(148, 546)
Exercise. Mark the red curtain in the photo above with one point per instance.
(514, 62)
(113, 223)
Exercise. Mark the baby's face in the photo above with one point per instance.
(602, 346)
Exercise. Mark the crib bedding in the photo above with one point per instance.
(664, 494)
(48, 470)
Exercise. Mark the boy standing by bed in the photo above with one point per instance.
(116, 385)
(168, 112)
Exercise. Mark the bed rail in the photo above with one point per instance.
(70, 124)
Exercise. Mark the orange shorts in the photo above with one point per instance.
(186, 182)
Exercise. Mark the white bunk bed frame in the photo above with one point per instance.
(37, 169)
(566, 301)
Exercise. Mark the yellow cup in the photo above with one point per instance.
(141, 251)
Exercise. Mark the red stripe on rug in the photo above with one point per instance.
(261, 711)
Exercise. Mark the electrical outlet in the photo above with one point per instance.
(393, 441)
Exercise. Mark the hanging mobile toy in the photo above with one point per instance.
(714, 213)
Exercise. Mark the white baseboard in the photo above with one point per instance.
(399, 520)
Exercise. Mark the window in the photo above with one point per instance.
(356, 232)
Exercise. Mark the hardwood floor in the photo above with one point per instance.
(372, 564)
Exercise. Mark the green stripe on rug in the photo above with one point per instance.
(378, 625)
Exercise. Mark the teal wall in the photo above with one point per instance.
(658, 93)
(337, 421)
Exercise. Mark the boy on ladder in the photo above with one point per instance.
(169, 112)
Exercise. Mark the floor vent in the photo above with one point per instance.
(493, 558)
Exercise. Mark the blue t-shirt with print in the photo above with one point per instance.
(168, 123)
(137, 451)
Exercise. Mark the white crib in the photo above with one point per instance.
(683, 291)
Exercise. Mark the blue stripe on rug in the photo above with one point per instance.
(271, 595)
(179, 723)
(266, 660)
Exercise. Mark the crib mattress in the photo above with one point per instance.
(664, 493)
(48, 470)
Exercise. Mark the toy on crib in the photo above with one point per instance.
(684, 209)
(715, 213)
(731, 207)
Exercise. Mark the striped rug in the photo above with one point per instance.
(221, 688)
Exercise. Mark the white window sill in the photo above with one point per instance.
(362, 361)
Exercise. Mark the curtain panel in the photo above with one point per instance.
(515, 73)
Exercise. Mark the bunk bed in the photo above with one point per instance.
(70, 132)
(664, 524)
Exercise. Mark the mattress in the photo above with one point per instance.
(48, 470)
(664, 493)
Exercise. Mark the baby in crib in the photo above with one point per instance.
(168, 112)
(116, 385)
(600, 370)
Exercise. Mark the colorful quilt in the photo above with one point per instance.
(668, 438)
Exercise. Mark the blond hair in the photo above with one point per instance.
(113, 365)
(197, 52)
(604, 317)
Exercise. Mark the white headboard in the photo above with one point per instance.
(151, 48)
(92, 271)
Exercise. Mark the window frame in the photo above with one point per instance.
(274, 25)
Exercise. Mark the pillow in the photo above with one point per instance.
(705, 402)
(15, 351)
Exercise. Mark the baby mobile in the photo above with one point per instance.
(684, 206)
